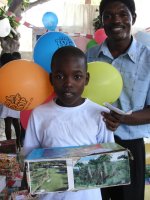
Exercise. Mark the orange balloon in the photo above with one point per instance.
(24, 85)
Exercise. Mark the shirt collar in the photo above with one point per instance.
(103, 49)
(130, 52)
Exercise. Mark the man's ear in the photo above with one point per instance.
(87, 78)
(50, 78)
(134, 18)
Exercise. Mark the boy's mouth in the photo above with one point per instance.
(68, 94)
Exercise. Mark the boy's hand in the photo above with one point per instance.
(112, 120)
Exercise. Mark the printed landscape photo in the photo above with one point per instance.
(100, 171)
(48, 176)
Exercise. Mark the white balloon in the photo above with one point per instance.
(5, 27)
(3, 3)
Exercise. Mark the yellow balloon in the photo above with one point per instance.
(105, 83)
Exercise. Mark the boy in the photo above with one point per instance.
(69, 120)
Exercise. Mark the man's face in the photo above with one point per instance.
(117, 21)
(68, 79)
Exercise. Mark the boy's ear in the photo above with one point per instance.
(87, 78)
(50, 78)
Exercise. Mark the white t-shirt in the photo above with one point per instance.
(8, 112)
(51, 125)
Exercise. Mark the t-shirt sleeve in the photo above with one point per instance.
(104, 135)
(31, 140)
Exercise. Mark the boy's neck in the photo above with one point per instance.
(74, 104)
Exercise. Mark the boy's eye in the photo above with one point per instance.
(59, 76)
(77, 76)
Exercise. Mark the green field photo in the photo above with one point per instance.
(48, 176)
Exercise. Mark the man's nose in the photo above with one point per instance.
(116, 18)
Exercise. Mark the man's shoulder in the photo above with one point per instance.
(93, 50)
(142, 48)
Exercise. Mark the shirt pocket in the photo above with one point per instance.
(135, 90)
(139, 94)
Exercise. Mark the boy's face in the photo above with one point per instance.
(68, 79)
(117, 21)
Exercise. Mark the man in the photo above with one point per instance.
(133, 61)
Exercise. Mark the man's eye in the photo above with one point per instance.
(107, 16)
(124, 14)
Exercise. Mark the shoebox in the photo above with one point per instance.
(9, 165)
(8, 146)
(23, 195)
(2, 183)
(16, 181)
(7, 161)
(4, 194)
(11, 173)
(77, 168)
(147, 167)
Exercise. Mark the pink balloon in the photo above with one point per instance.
(100, 36)
(24, 117)
(25, 114)
(81, 42)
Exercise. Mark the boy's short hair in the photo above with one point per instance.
(129, 3)
(67, 51)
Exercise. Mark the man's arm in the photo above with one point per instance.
(140, 117)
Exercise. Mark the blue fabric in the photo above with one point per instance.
(134, 66)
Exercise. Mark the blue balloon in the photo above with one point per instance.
(46, 46)
(50, 21)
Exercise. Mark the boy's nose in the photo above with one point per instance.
(68, 82)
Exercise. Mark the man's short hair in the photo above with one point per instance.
(129, 3)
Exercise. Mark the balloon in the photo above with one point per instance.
(25, 114)
(3, 3)
(24, 117)
(81, 43)
(91, 44)
(23, 85)
(47, 45)
(5, 27)
(105, 83)
(100, 35)
(50, 21)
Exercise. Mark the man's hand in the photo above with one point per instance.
(140, 117)
(112, 120)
